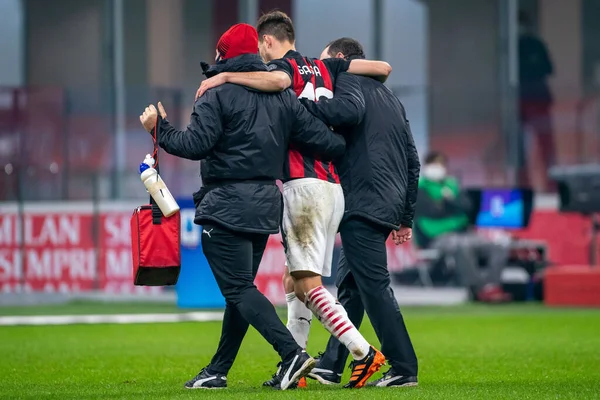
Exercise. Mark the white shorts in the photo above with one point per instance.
(312, 212)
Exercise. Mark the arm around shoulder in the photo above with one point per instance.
(380, 70)
(275, 81)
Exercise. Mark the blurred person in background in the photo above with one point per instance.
(442, 224)
(241, 137)
(379, 173)
(535, 99)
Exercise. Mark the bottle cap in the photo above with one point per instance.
(143, 167)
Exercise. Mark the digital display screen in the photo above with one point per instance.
(503, 208)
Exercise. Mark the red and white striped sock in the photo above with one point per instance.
(335, 319)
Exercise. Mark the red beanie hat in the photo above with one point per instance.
(239, 39)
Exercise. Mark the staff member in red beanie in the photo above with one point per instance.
(241, 137)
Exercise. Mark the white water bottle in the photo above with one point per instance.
(157, 188)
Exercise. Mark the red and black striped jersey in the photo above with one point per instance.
(311, 79)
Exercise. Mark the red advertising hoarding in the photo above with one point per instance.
(74, 247)
(66, 248)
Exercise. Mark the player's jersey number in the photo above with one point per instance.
(313, 94)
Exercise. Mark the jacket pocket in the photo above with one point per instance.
(199, 195)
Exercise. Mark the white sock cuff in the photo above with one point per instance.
(290, 297)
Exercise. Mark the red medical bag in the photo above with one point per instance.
(155, 241)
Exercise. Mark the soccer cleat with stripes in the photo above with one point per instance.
(363, 369)
(390, 379)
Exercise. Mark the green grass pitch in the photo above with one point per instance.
(468, 352)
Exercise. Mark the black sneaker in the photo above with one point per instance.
(324, 376)
(391, 379)
(291, 371)
(275, 380)
(204, 380)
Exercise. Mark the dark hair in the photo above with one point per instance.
(278, 24)
(436, 157)
(349, 47)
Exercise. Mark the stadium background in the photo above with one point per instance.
(74, 76)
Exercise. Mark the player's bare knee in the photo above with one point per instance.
(305, 281)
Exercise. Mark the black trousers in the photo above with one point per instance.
(234, 259)
(363, 282)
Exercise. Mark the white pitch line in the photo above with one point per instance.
(111, 319)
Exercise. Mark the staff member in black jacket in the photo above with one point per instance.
(242, 137)
(379, 174)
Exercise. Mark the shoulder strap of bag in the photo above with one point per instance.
(156, 213)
